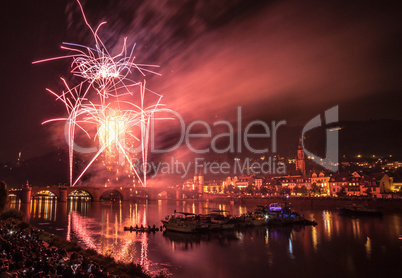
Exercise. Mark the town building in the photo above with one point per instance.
(353, 188)
(338, 182)
(213, 187)
(370, 186)
(244, 182)
(390, 183)
(322, 181)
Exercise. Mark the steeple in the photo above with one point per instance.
(300, 159)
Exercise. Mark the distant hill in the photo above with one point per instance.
(381, 138)
(49, 169)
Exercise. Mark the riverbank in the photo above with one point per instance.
(386, 205)
(53, 255)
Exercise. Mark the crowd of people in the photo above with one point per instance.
(24, 254)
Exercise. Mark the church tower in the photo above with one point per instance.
(300, 159)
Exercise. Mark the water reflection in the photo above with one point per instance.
(356, 228)
(327, 223)
(104, 232)
(368, 248)
(349, 243)
(14, 202)
(314, 238)
(80, 205)
(44, 207)
(291, 247)
(190, 241)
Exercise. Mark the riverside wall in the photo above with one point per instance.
(386, 205)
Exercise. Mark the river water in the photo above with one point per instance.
(337, 247)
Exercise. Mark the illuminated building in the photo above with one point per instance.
(244, 182)
(213, 187)
(321, 181)
(337, 182)
(353, 188)
(390, 183)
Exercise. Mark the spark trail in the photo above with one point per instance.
(108, 77)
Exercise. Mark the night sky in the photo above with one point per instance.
(279, 60)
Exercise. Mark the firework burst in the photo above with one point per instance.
(108, 76)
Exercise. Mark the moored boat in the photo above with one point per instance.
(183, 222)
(286, 216)
(291, 218)
(216, 220)
(258, 218)
(277, 206)
(359, 210)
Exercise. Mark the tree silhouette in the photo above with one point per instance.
(342, 192)
(315, 189)
(369, 191)
(3, 195)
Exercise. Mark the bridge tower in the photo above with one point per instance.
(62, 194)
(96, 194)
(26, 194)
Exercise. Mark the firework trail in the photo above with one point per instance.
(108, 76)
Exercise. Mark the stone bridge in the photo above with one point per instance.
(62, 192)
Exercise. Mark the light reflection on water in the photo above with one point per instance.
(349, 245)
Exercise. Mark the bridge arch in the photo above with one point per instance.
(14, 194)
(96, 193)
(14, 197)
(80, 193)
(165, 194)
(44, 193)
(111, 194)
